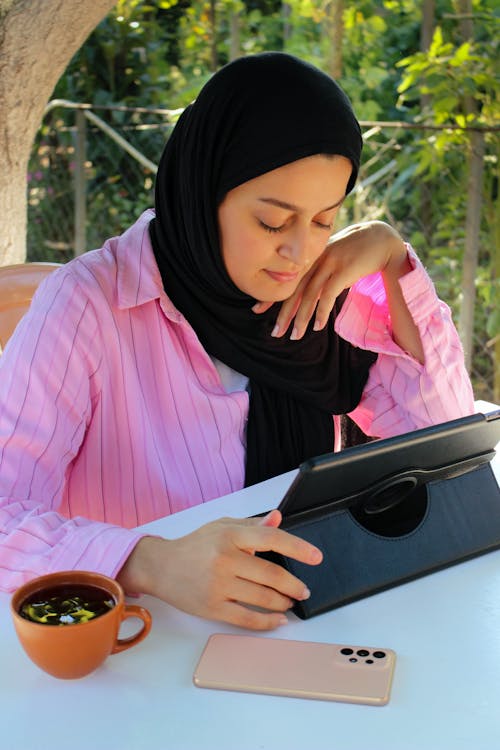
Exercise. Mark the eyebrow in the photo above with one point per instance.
(292, 207)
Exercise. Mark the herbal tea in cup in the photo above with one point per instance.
(68, 622)
(67, 605)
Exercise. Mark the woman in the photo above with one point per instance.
(208, 348)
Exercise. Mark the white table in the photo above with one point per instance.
(445, 629)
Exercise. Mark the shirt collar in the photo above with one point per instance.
(138, 278)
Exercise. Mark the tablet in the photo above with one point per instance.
(378, 475)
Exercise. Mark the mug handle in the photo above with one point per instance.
(133, 610)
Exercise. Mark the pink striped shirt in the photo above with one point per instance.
(112, 414)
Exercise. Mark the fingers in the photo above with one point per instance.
(242, 599)
(213, 572)
(317, 299)
(289, 308)
(261, 307)
(331, 291)
(315, 295)
(254, 595)
(317, 291)
(258, 538)
(243, 617)
(256, 582)
(269, 576)
(287, 312)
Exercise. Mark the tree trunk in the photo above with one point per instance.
(235, 45)
(37, 40)
(287, 26)
(334, 24)
(426, 34)
(472, 226)
(214, 63)
(496, 277)
(474, 207)
(427, 29)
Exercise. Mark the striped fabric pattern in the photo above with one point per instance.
(112, 414)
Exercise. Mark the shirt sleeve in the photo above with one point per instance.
(46, 376)
(401, 394)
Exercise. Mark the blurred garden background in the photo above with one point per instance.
(423, 79)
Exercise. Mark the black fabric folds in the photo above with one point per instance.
(256, 114)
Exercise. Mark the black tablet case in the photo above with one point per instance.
(458, 518)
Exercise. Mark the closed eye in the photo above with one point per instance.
(271, 230)
(275, 230)
(328, 227)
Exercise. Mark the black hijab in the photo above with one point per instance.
(256, 114)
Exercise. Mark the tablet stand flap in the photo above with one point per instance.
(368, 549)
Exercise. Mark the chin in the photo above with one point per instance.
(273, 298)
(277, 295)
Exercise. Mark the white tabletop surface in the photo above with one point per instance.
(445, 629)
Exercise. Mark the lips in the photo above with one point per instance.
(282, 277)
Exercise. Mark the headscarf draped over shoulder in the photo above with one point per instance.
(254, 115)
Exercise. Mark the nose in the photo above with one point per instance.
(297, 248)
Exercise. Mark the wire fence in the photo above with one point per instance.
(92, 173)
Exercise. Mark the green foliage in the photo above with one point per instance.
(460, 82)
(123, 60)
(382, 31)
(450, 74)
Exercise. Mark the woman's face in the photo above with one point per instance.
(274, 227)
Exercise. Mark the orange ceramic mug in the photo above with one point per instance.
(74, 650)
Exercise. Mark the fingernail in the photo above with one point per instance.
(283, 620)
(305, 594)
(316, 556)
(318, 325)
(275, 330)
(295, 334)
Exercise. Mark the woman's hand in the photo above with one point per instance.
(214, 573)
(355, 252)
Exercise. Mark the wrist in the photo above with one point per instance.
(138, 572)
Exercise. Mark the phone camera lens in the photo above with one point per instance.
(353, 659)
(363, 652)
(346, 651)
(369, 661)
(379, 654)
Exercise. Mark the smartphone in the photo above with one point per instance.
(273, 666)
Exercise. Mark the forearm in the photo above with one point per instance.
(404, 330)
(401, 393)
(35, 540)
